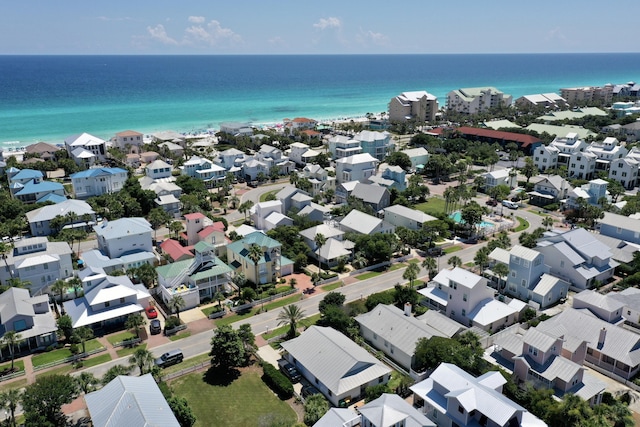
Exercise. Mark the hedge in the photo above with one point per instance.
(277, 381)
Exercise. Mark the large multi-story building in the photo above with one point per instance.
(85, 149)
(420, 106)
(477, 99)
(378, 144)
(581, 95)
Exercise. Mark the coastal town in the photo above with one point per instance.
(473, 263)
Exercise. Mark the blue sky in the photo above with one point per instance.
(322, 27)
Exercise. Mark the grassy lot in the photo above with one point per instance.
(192, 361)
(452, 249)
(332, 286)
(368, 275)
(263, 197)
(4, 387)
(227, 320)
(61, 370)
(243, 402)
(96, 360)
(122, 336)
(17, 364)
(208, 310)
(470, 264)
(523, 224)
(433, 205)
(51, 356)
(126, 351)
(399, 265)
(180, 335)
(282, 302)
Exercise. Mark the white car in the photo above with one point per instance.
(510, 204)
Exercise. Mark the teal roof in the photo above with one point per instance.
(203, 246)
(240, 247)
(176, 268)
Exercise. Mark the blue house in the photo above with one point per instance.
(620, 227)
(98, 181)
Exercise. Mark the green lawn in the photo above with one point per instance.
(192, 361)
(122, 336)
(208, 310)
(263, 197)
(180, 335)
(244, 402)
(399, 265)
(433, 205)
(50, 356)
(126, 351)
(96, 360)
(4, 387)
(332, 286)
(523, 224)
(17, 364)
(368, 275)
(227, 320)
(470, 264)
(452, 249)
(282, 302)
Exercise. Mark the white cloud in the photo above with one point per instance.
(212, 34)
(371, 37)
(331, 22)
(159, 33)
(197, 19)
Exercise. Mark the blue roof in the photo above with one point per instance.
(27, 174)
(31, 187)
(52, 197)
(97, 172)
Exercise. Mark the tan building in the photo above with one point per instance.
(420, 106)
(476, 99)
(588, 94)
(129, 141)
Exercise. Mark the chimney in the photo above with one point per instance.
(603, 335)
(407, 309)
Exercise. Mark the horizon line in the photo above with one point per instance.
(316, 54)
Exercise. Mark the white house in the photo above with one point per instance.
(77, 213)
(339, 368)
(402, 216)
(158, 169)
(341, 146)
(419, 156)
(363, 223)
(85, 149)
(452, 397)
(107, 301)
(358, 167)
(98, 181)
(625, 171)
(582, 165)
(37, 261)
(500, 177)
(124, 235)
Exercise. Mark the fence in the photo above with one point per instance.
(127, 343)
(186, 371)
(71, 359)
(217, 314)
(173, 331)
(252, 304)
(12, 376)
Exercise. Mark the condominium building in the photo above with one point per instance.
(477, 99)
(420, 106)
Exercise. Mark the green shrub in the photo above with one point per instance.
(277, 381)
(171, 322)
(74, 348)
(552, 207)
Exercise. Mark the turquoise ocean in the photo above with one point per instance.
(47, 98)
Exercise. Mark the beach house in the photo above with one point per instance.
(72, 213)
(85, 149)
(476, 100)
(129, 141)
(377, 144)
(98, 181)
(358, 167)
(271, 264)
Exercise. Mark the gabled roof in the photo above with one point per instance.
(47, 213)
(412, 214)
(324, 229)
(391, 410)
(369, 193)
(390, 323)
(336, 361)
(130, 401)
(27, 174)
(595, 299)
(357, 159)
(360, 222)
(95, 172)
(447, 326)
(122, 227)
(621, 221)
(32, 187)
(82, 140)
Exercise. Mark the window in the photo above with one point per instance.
(375, 336)
(107, 304)
(122, 300)
(533, 351)
(464, 297)
(460, 409)
(624, 174)
(561, 264)
(380, 380)
(513, 274)
(464, 312)
(524, 283)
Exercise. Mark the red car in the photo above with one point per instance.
(151, 312)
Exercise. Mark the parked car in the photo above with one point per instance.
(309, 390)
(509, 204)
(155, 327)
(290, 371)
(169, 358)
(492, 202)
(151, 312)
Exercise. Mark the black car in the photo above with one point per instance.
(309, 390)
(290, 371)
(155, 327)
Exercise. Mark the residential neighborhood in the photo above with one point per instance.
(416, 269)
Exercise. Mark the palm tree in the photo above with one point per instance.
(431, 266)
(411, 273)
(175, 227)
(86, 382)
(176, 304)
(76, 283)
(234, 200)
(319, 240)
(293, 282)
(143, 358)
(482, 258)
(455, 261)
(147, 275)
(501, 270)
(359, 261)
(239, 280)
(547, 221)
(10, 400)
(11, 339)
(134, 322)
(245, 207)
(58, 287)
(255, 254)
(219, 296)
(84, 334)
(5, 248)
(290, 315)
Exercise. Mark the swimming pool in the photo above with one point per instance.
(457, 217)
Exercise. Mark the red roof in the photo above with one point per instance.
(520, 138)
(311, 132)
(303, 120)
(192, 216)
(175, 250)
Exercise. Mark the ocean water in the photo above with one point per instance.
(47, 98)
